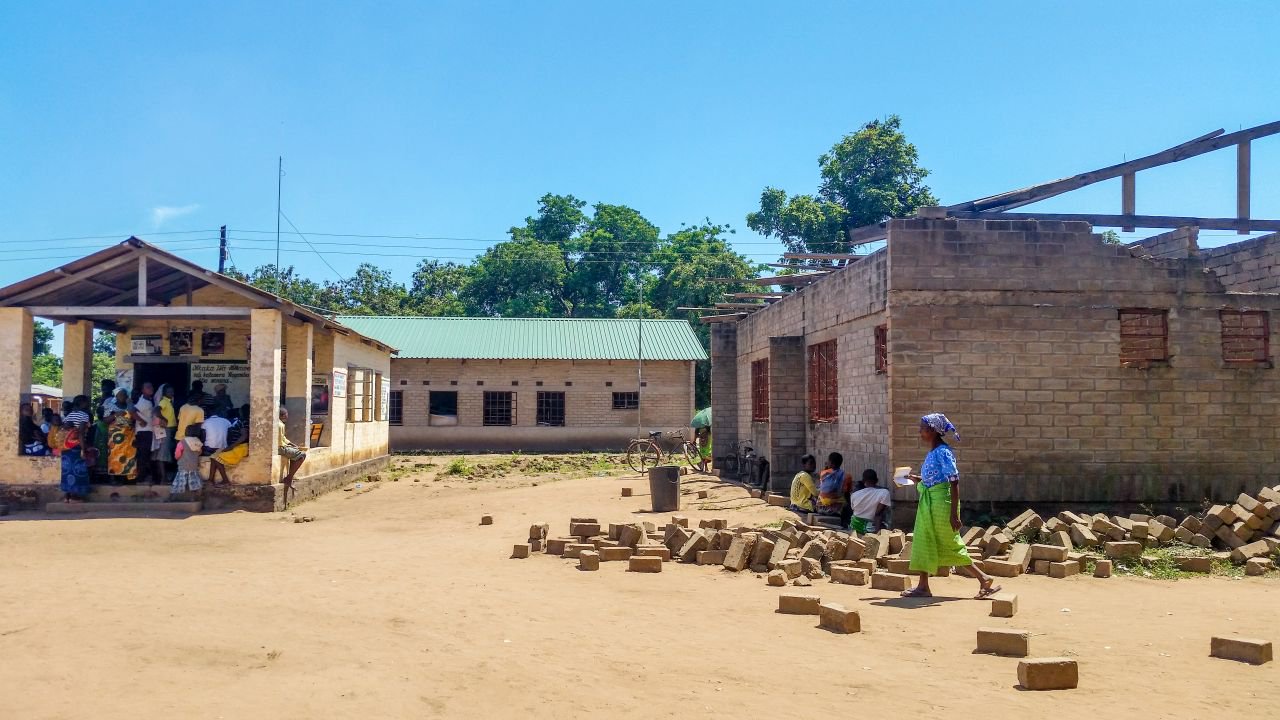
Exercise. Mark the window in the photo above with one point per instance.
(760, 390)
(1144, 337)
(379, 403)
(882, 349)
(442, 402)
(823, 388)
(626, 401)
(395, 411)
(499, 408)
(359, 394)
(551, 409)
(1246, 337)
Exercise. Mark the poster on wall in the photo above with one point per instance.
(319, 395)
(235, 375)
(124, 379)
(339, 383)
(386, 399)
(213, 342)
(146, 345)
(181, 342)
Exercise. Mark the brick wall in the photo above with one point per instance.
(1177, 244)
(590, 420)
(1248, 266)
(724, 387)
(1011, 328)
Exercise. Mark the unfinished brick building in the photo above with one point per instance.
(1079, 372)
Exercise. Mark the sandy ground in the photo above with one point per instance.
(395, 603)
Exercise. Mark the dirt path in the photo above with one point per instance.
(395, 603)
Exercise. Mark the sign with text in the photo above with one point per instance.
(232, 374)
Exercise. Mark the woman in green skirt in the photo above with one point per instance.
(936, 542)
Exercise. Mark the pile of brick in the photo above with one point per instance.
(1246, 532)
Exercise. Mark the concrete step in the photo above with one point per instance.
(128, 493)
(64, 508)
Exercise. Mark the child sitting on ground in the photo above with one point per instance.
(187, 480)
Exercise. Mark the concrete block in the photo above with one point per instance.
(1052, 553)
(1123, 549)
(1004, 605)
(1064, 569)
(1002, 568)
(792, 568)
(780, 547)
(1250, 504)
(696, 544)
(589, 560)
(1020, 554)
(556, 546)
(890, 581)
(849, 575)
(711, 557)
(520, 551)
(1195, 564)
(539, 531)
(1048, 674)
(1252, 550)
(626, 492)
(778, 500)
(899, 567)
(809, 566)
(1161, 532)
(867, 564)
(762, 552)
(1082, 536)
(1258, 566)
(573, 550)
(631, 535)
(703, 494)
(1247, 650)
(755, 493)
(875, 549)
(584, 530)
(776, 578)
(644, 564)
(798, 604)
(536, 545)
(1102, 569)
(1040, 567)
(680, 520)
(615, 554)
(740, 552)
(837, 619)
(1010, 643)
(486, 519)
(1061, 538)
(653, 551)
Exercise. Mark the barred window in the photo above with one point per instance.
(760, 390)
(1144, 337)
(882, 349)
(551, 409)
(1246, 337)
(823, 386)
(499, 408)
(395, 413)
(443, 403)
(626, 401)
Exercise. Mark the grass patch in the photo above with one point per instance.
(458, 466)
(1161, 563)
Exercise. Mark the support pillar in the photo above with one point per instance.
(323, 365)
(724, 388)
(263, 464)
(77, 360)
(15, 382)
(298, 341)
(787, 405)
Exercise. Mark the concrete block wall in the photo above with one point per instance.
(724, 387)
(1011, 328)
(788, 414)
(1248, 266)
(590, 420)
(1177, 244)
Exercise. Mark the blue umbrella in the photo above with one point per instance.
(701, 419)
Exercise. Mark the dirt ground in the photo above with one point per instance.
(395, 603)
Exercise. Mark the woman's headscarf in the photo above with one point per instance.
(940, 424)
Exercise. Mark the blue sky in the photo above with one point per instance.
(449, 120)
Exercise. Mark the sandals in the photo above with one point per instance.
(915, 593)
(987, 592)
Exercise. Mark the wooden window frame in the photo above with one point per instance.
(1238, 339)
(624, 400)
(1145, 342)
(489, 412)
(357, 392)
(760, 390)
(549, 403)
(823, 382)
(882, 349)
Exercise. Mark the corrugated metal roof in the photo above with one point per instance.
(529, 338)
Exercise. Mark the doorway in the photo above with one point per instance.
(177, 374)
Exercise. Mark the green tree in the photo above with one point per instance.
(46, 369)
(518, 278)
(437, 289)
(370, 290)
(41, 338)
(288, 284)
(104, 367)
(869, 176)
(104, 343)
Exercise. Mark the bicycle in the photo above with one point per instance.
(644, 453)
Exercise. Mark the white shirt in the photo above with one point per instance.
(215, 432)
(865, 501)
(144, 408)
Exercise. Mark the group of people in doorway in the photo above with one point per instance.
(139, 438)
(936, 539)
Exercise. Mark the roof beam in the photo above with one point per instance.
(70, 279)
(755, 296)
(821, 256)
(740, 306)
(730, 317)
(133, 311)
(810, 268)
(1199, 146)
(1142, 221)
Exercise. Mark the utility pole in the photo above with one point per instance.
(279, 181)
(222, 249)
(639, 349)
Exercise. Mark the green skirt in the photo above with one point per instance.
(934, 544)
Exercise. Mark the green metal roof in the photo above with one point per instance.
(529, 338)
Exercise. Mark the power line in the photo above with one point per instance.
(313, 249)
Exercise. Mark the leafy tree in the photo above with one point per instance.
(370, 290)
(288, 284)
(518, 278)
(1111, 237)
(46, 369)
(104, 343)
(437, 289)
(41, 338)
(104, 366)
(869, 176)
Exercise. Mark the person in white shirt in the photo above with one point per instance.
(215, 433)
(869, 504)
(142, 410)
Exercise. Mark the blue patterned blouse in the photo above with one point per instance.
(939, 467)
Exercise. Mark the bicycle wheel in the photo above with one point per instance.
(691, 455)
(642, 455)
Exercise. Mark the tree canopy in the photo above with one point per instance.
(867, 177)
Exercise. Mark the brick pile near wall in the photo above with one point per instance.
(1248, 266)
(1011, 328)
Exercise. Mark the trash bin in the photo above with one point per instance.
(664, 488)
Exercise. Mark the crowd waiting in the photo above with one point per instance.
(140, 438)
(868, 508)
